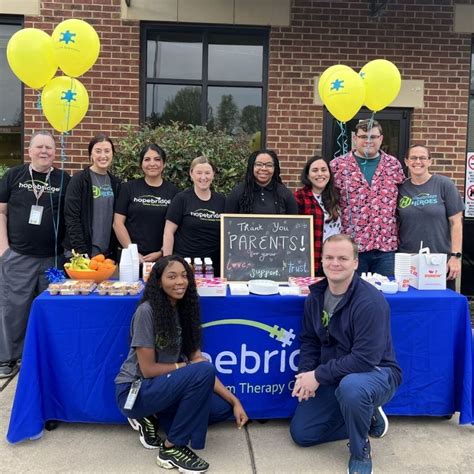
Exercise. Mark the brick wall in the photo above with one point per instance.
(112, 83)
(417, 36)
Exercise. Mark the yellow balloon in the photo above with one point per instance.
(326, 74)
(382, 82)
(77, 46)
(30, 54)
(343, 94)
(65, 102)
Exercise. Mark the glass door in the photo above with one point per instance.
(396, 132)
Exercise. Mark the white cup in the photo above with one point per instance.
(403, 282)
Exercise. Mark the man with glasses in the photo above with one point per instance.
(367, 180)
(31, 230)
(347, 368)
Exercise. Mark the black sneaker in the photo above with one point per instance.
(378, 423)
(183, 458)
(148, 429)
(361, 465)
(7, 369)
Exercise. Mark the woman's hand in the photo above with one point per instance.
(152, 257)
(241, 417)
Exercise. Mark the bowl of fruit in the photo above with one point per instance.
(97, 268)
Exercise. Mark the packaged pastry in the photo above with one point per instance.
(119, 288)
(72, 287)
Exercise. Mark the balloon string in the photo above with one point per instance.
(62, 155)
(342, 146)
(57, 218)
(39, 105)
(369, 128)
(68, 108)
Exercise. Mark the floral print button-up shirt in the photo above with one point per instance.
(368, 211)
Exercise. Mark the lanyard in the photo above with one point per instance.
(37, 193)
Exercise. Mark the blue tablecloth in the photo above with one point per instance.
(75, 345)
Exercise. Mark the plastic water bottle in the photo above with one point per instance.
(198, 268)
(208, 268)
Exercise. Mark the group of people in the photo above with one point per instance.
(347, 367)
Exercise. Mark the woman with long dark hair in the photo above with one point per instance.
(165, 377)
(319, 198)
(89, 203)
(142, 204)
(262, 191)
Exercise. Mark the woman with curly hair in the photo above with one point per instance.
(262, 191)
(176, 385)
(319, 198)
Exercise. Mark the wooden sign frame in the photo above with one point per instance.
(279, 228)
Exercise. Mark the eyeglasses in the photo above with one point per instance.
(259, 165)
(418, 158)
(368, 137)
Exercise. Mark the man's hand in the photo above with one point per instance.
(454, 268)
(305, 386)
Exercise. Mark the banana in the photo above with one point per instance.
(78, 262)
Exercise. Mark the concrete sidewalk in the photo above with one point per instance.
(413, 445)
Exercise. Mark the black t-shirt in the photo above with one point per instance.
(16, 189)
(145, 208)
(263, 200)
(198, 223)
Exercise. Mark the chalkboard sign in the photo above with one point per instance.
(270, 247)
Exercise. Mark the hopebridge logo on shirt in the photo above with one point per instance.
(39, 186)
(150, 200)
(206, 215)
(422, 199)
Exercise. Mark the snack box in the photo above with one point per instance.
(72, 287)
(119, 288)
(303, 283)
(211, 286)
(147, 268)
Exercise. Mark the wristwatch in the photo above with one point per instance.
(455, 254)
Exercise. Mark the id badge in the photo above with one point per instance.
(36, 214)
(132, 394)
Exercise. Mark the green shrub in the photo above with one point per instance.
(182, 144)
(3, 170)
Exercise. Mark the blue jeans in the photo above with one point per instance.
(376, 261)
(343, 411)
(183, 400)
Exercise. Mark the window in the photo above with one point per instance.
(11, 116)
(207, 76)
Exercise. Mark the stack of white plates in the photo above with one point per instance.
(263, 287)
(402, 266)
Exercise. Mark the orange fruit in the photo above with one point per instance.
(109, 261)
(99, 258)
(93, 265)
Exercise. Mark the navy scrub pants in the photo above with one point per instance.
(343, 411)
(183, 400)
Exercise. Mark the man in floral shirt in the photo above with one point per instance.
(367, 180)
